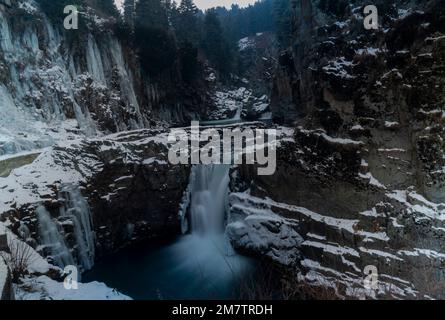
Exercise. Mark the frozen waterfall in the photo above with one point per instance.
(74, 212)
(44, 80)
(52, 239)
(76, 208)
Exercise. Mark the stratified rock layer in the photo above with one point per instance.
(362, 180)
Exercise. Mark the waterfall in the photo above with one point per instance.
(205, 255)
(209, 190)
(200, 264)
(76, 208)
(52, 239)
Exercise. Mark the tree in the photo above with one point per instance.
(333, 7)
(215, 46)
(187, 23)
(283, 22)
(188, 55)
(108, 7)
(157, 50)
(129, 13)
(151, 14)
(155, 42)
(171, 10)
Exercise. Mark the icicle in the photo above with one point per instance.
(5, 34)
(52, 239)
(94, 61)
(126, 79)
(77, 209)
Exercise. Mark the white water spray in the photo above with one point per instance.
(209, 190)
(206, 252)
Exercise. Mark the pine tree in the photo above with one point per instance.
(333, 7)
(107, 7)
(188, 6)
(156, 44)
(171, 10)
(129, 12)
(283, 22)
(187, 23)
(188, 55)
(214, 44)
(151, 14)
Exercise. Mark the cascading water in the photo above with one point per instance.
(52, 240)
(209, 190)
(77, 210)
(198, 265)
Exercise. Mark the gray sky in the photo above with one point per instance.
(205, 4)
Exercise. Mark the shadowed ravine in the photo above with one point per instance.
(199, 265)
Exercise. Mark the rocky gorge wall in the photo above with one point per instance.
(132, 190)
(49, 74)
(359, 176)
(360, 182)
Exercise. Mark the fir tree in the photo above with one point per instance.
(156, 45)
(214, 44)
(151, 14)
(283, 22)
(129, 12)
(107, 7)
(187, 23)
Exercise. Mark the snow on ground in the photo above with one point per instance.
(30, 183)
(229, 102)
(320, 275)
(339, 68)
(64, 163)
(371, 180)
(253, 233)
(250, 215)
(245, 43)
(44, 288)
(417, 205)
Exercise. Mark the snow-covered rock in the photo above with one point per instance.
(44, 288)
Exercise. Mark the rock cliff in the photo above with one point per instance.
(360, 184)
